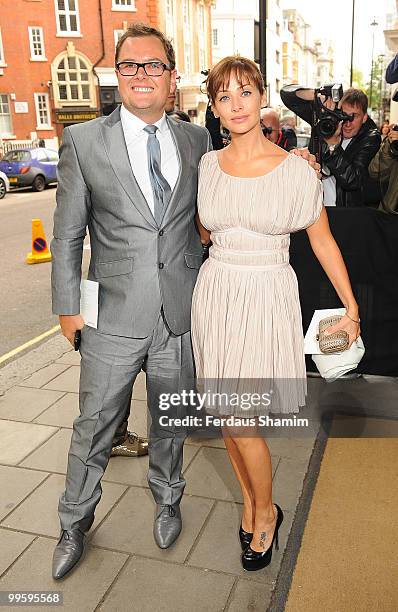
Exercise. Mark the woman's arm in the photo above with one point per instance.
(329, 256)
(203, 232)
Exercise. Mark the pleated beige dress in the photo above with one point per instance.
(246, 317)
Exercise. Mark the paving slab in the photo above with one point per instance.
(70, 358)
(139, 389)
(293, 448)
(17, 440)
(219, 548)
(12, 544)
(82, 590)
(63, 412)
(146, 585)
(38, 513)
(44, 376)
(249, 596)
(288, 482)
(24, 404)
(128, 527)
(134, 470)
(211, 475)
(51, 456)
(16, 484)
(67, 381)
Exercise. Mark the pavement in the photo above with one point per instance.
(123, 568)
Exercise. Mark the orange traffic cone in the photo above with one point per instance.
(40, 252)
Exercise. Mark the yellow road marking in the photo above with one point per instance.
(26, 345)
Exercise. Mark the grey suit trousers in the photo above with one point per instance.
(109, 367)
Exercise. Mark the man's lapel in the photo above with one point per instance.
(183, 149)
(116, 150)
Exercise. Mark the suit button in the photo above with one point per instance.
(161, 233)
(161, 266)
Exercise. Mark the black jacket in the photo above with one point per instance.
(349, 166)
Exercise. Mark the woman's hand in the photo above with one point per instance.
(352, 328)
(309, 157)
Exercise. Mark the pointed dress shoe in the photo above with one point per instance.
(132, 446)
(167, 525)
(253, 560)
(68, 552)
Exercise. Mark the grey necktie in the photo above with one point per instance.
(160, 187)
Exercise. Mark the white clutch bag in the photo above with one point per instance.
(332, 366)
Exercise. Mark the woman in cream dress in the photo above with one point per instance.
(246, 320)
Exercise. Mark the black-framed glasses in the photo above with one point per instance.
(154, 69)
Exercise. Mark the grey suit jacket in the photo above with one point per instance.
(138, 265)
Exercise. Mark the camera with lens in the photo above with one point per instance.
(326, 121)
(394, 144)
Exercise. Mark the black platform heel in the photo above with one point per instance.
(245, 538)
(253, 560)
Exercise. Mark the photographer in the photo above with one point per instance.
(384, 167)
(347, 152)
(285, 137)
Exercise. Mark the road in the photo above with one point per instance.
(25, 304)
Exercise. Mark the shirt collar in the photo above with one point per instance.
(133, 125)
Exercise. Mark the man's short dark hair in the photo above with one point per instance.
(356, 97)
(139, 30)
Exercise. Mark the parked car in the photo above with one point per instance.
(4, 185)
(30, 167)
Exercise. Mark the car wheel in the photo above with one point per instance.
(39, 183)
(3, 189)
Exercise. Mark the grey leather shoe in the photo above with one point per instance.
(67, 552)
(167, 525)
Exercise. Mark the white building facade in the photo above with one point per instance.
(233, 34)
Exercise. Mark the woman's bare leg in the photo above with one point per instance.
(244, 481)
(256, 459)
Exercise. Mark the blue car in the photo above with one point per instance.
(34, 168)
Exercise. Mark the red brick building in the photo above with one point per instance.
(57, 58)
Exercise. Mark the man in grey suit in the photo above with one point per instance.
(131, 178)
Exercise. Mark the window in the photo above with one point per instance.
(2, 61)
(73, 79)
(215, 38)
(43, 120)
(123, 5)
(17, 156)
(277, 28)
(187, 59)
(185, 13)
(117, 34)
(67, 14)
(36, 41)
(277, 85)
(41, 155)
(5, 115)
(278, 57)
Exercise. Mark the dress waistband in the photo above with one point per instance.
(250, 260)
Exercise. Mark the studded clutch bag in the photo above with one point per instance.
(333, 343)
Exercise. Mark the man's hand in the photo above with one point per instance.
(69, 324)
(310, 158)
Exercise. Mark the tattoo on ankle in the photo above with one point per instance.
(263, 537)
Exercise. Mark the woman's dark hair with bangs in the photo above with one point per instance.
(241, 67)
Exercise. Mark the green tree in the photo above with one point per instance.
(374, 88)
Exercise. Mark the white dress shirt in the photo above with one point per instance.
(329, 184)
(136, 141)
